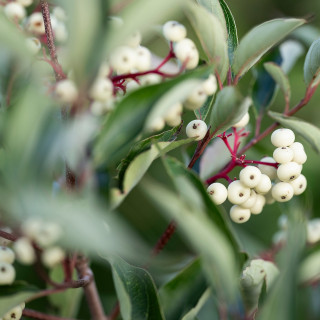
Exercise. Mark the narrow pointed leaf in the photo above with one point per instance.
(312, 65)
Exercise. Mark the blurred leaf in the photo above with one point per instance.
(259, 40)
(312, 65)
(192, 314)
(11, 296)
(307, 130)
(203, 112)
(232, 30)
(280, 78)
(217, 256)
(306, 34)
(136, 291)
(127, 120)
(264, 88)
(211, 35)
(183, 291)
(228, 109)
(310, 268)
(290, 51)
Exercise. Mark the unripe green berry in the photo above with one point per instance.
(289, 171)
(264, 185)
(282, 138)
(239, 214)
(217, 192)
(196, 129)
(299, 185)
(282, 192)
(238, 193)
(283, 155)
(250, 176)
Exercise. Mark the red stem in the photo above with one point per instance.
(41, 316)
(8, 236)
(219, 80)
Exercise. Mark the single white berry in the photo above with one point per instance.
(5, 242)
(283, 155)
(264, 185)
(48, 234)
(313, 231)
(150, 79)
(185, 50)
(259, 204)
(61, 32)
(6, 255)
(143, 59)
(289, 171)
(14, 11)
(59, 13)
(283, 222)
(134, 39)
(196, 99)
(196, 129)
(243, 121)
(123, 59)
(282, 138)
(193, 61)
(35, 23)
(174, 31)
(25, 253)
(251, 201)
(238, 193)
(104, 70)
(25, 3)
(217, 192)
(7, 273)
(98, 108)
(299, 155)
(156, 124)
(210, 85)
(299, 185)
(52, 256)
(13, 314)
(101, 90)
(33, 44)
(66, 91)
(250, 176)
(282, 192)
(239, 214)
(173, 116)
(270, 171)
(132, 85)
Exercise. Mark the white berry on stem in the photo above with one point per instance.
(270, 171)
(239, 214)
(66, 91)
(14, 11)
(282, 192)
(283, 155)
(282, 137)
(210, 85)
(217, 192)
(14, 314)
(25, 253)
(6, 255)
(299, 185)
(250, 176)
(289, 171)
(7, 273)
(243, 121)
(264, 185)
(251, 200)
(259, 204)
(174, 31)
(299, 155)
(123, 59)
(196, 129)
(237, 192)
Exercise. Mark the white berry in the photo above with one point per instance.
(217, 192)
(237, 192)
(35, 23)
(270, 171)
(282, 191)
(313, 231)
(283, 155)
(59, 13)
(243, 121)
(210, 85)
(104, 70)
(239, 214)
(196, 129)
(264, 185)
(52, 256)
(193, 61)
(6, 255)
(123, 59)
(150, 79)
(25, 253)
(282, 137)
(14, 11)
(250, 176)
(101, 90)
(251, 201)
(143, 59)
(33, 44)
(259, 204)
(61, 32)
(13, 314)
(186, 50)
(174, 31)
(48, 234)
(173, 116)
(5, 242)
(289, 171)
(98, 108)
(196, 99)
(7, 273)
(156, 124)
(25, 3)
(134, 39)
(299, 155)
(66, 91)
(299, 185)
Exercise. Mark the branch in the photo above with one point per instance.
(8, 236)
(41, 316)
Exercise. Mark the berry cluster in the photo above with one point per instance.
(254, 188)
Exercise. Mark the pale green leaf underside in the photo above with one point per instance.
(312, 65)
(259, 40)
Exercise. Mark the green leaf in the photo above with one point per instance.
(126, 122)
(217, 256)
(280, 78)
(203, 112)
(232, 30)
(183, 291)
(312, 65)
(228, 109)
(306, 130)
(136, 291)
(11, 296)
(192, 314)
(211, 35)
(310, 268)
(306, 34)
(259, 40)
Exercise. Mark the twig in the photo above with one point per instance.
(41, 316)
(8, 236)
